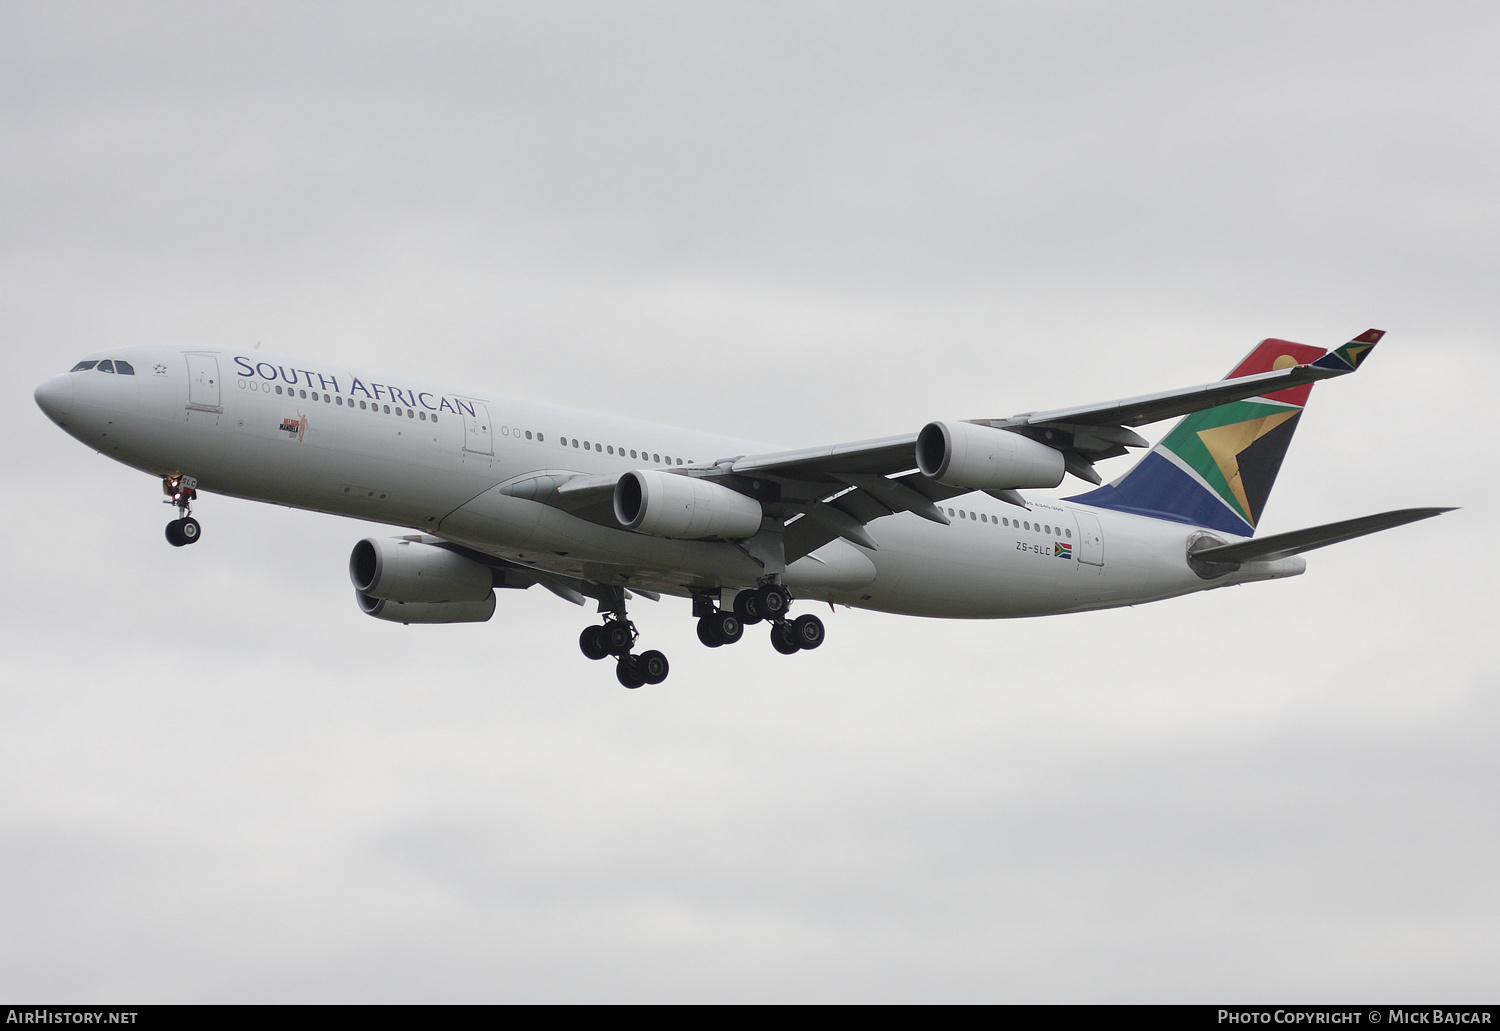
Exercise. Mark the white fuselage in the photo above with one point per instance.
(410, 454)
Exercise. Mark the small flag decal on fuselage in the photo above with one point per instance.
(1062, 550)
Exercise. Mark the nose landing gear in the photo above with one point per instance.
(181, 491)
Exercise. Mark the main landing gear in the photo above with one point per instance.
(717, 627)
(767, 603)
(616, 637)
(181, 491)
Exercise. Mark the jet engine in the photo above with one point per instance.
(410, 571)
(667, 505)
(965, 454)
(427, 611)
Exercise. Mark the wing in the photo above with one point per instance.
(823, 493)
(830, 492)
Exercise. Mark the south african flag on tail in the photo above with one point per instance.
(1216, 467)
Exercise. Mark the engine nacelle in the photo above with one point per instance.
(667, 505)
(409, 571)
(965, 454)
(427, 611)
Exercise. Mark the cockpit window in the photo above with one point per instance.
(106, 366)
(124, 368)
(83, 365)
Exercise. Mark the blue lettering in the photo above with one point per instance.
(465, 406)
(306, 377)
(426, 403)
(378, 388)
(358, 388)
(262, 367)
(242, 363)
(325, 380)
(290, 377)
(445, 406)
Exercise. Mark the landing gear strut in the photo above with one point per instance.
(181, 492)
(616, 637)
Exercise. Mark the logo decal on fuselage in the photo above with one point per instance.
(1062, 550)
(296, 427)
(296, 379)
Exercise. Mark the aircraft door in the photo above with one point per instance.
(203, 382)
(1090, 539)
(479, 437)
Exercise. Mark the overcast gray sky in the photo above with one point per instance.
(806, 222)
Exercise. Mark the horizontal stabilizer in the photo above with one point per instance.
(1282, 545)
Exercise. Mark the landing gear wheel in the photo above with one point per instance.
(591, 642)
(628, 673)
(747, 607)
(782, 639)
(807, 631)
(708, 631)
(174, 534)
(189, 530)
(616, 638)
(729, 627)
(774, 601)
(652, 666)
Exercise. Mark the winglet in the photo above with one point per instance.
(1349, 357)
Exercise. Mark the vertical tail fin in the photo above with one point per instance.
(1216, 467)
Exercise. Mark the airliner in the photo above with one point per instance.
(499, 493)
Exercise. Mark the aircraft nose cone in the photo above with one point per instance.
(55, 397)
